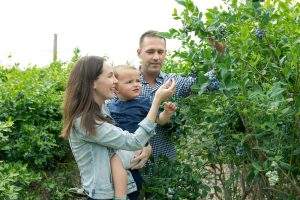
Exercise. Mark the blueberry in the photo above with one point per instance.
(221, 31)
(239, 151)
(214, 83)
(221, 138)
(171, 191)
(259, 33)
(210, 74)
(193, 73)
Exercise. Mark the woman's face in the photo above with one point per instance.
(104, 86)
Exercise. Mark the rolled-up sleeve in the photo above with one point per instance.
(147, 125)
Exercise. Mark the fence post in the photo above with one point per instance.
(55, 48)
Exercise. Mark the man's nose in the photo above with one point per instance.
(156, 56)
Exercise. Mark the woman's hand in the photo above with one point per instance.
(141, 158)
(166, 90)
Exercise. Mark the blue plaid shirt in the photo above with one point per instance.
(161, 144)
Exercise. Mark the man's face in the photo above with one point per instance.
(152, 53)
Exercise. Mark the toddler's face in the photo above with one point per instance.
(129, 85)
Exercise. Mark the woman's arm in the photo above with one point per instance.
(114, 137)
(109, 135)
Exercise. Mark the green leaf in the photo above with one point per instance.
(257, 167)
(286, 110)
(275, 91)
(297, 99)
(284, 165)
(226, 76)
(181, 2)
(277, 52)
(281, 61)
(296, 152)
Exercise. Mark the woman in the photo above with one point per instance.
(93, 139)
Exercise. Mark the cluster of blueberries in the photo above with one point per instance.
(214, 83)
(239, 151)
(259, 33)
(222, 31)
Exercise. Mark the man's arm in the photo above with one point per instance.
(184, 84)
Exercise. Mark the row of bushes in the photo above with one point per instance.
(30, 123)
(30, 101)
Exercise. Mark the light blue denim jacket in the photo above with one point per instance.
(92, 154)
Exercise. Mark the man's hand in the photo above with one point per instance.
(142, 157)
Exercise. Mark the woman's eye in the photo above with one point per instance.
(110, 75)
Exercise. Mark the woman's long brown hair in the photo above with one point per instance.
(78, 100)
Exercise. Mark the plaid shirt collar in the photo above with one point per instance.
(159, 79)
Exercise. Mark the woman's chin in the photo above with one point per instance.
(111, 96)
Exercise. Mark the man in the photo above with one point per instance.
(152, 53)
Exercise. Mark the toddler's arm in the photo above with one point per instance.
(165, 116)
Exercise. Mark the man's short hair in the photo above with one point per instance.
(151, 33)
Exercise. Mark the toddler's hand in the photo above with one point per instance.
(169, 107)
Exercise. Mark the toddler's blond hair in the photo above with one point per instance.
(117, 69)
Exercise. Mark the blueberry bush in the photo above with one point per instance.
(240, 129)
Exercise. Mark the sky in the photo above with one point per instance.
(97, 27)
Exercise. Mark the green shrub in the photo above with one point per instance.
(31, 99)
(16, 180)
(246, 130)
(5, 130)
(174, 180)
(34, 162)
